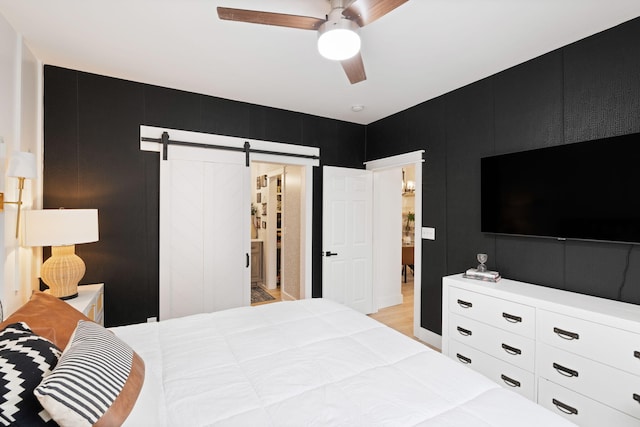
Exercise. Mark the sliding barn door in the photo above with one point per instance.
(204, 231)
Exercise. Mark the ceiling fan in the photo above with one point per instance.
(338, 33)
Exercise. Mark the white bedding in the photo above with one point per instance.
(309, 363)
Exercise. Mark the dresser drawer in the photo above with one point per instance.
(580, 409)
(505, 374)
(510, 316)
(506, 346)
(605, 344)
(603, 383)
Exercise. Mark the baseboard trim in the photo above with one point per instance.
(431, 338)
(388, 301)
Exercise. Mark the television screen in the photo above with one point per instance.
(587, 191)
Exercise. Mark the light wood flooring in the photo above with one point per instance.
(400, 316)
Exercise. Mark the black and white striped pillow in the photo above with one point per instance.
(90, 375)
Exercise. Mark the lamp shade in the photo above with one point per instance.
(60, 227)
(22, 165)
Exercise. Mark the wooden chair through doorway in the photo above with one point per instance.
(407, 260)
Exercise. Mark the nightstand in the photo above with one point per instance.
(90, 301)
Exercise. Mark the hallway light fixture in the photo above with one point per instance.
(408, 186)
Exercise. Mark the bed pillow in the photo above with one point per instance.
(96, 382)
(48, 317)
(25, 359)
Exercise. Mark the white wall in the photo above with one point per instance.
(21, 129)
(292, 211)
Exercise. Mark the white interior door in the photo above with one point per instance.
(204, 231)
(387, 250)
(347, 237)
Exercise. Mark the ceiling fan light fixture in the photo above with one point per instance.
(339, 39)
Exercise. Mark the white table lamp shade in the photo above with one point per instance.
(22, 165)
(60, 227)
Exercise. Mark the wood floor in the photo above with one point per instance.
(399, 317)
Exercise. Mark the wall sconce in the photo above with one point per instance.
(22, 165)
(61, 229)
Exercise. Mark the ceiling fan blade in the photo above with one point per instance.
(364, 12)
(269, 18)
(354, 67)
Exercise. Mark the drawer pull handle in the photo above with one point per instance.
(564, 407)
(464, 304)
(511, 350)
(565, 371)
(511, 318)
(566, 335)
(464, 331)
(463, 359)
(636, 354)
(636, 397)
(510, 381)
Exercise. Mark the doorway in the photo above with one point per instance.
(394, 230)
(277, 226)
(399, 312)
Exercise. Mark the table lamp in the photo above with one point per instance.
(61, 229)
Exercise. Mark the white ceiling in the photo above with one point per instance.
(421, 50)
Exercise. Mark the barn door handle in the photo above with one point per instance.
(247, 260)
(329, 253)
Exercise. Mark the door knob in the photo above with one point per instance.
(329, 253)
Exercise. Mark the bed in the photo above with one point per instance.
(307, 363)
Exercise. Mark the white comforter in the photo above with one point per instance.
(309, 363)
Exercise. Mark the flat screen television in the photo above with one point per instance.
(586, 191)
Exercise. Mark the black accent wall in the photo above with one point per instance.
(583, 91)
(93, 160)
(587, 90)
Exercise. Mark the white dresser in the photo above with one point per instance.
(90, 302)
(575, 354)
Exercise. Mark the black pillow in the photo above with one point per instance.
(25, 358)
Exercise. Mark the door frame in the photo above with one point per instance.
(288, 157)
(416, 159)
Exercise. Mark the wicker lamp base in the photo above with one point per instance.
(63, 271)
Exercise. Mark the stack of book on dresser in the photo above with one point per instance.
(487, 275)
